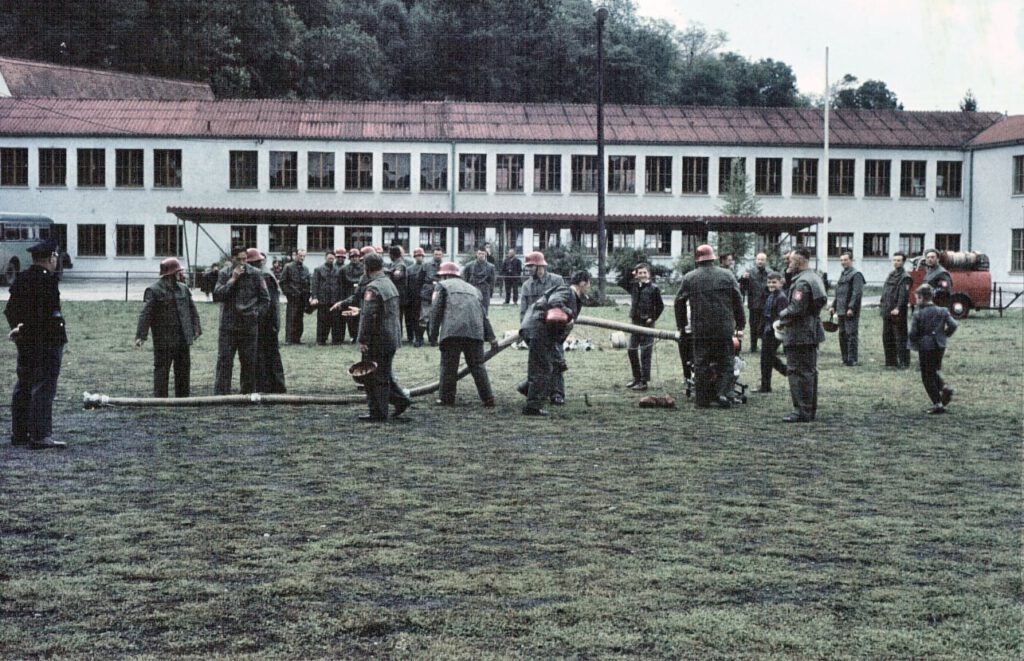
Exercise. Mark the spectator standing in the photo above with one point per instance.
(754, 283)
(893, 308)
(415, 283)
(776, 302)
(512, 276)
(846, 304)
(168, 309)
(244, 297)
(324, 293)
(482, 275)
(804, 333)
(295, 285)
(269, 368)
(352, 274)
(380, 336)
(644, 309)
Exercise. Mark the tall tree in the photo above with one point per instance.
(969, 103)
(869, 95)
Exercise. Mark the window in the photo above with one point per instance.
(912, 179)
(15, 232)
(431, 237)
(433, 172)
(584, 174)
(284, 238)
(948, 178)
(469, 239)
(876, 245)
(58, 232)
(768, 176)
(768, 242)
(320, 170)
(243, 166)
(92, 168)
(691, 241)
(808, 240)
(839, 242)
(1018, 175)
(357, 237)
(13, 166)
(509, 173)
(167, 168)
(169, 240)
(805, 176)
(547, 173)
(658, 241)
(131, 240)
(659, 174)
(877, 175)
(92, 240)
(319, 238)
(912, 244)
(695, 175)
(242, 236)
(585, 240)
(1017, 250)
(546, 238)
(732, 171)
(358, 171)
(53, 166)
(621, 239)
(397, 236)
(949, 242)
(840, 177)
(395, 171)
(128, 168)
(622, 174)
(514, 239)
(473, 172)
(284, 170)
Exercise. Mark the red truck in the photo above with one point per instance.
(972, 284)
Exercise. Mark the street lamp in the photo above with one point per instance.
(602, 245)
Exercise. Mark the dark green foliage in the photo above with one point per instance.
(869, 95)
(566, 260)
(622, 260)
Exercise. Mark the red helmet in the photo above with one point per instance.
(704, 253)
(535, 258)
(353, 253)
(379, 250)
(252, 256)
(448, 268)
(366, 250)
(170, 266)
(340, 252)
(418, 251)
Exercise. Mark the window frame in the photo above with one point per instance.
(908, 241)
(547, 173)
(162, 243)
(508, 173)
(14, 167)
(949, 180)
(658, 175)
(319, 238)
(473, 172)
(948, 241)
(358, 236)
(842, 173)
(393, 182)
(53, 162)
(910, 190)
(91, 166)
(804, 180)
(389, 235)
(695, 175)
(358, 171)
(168, 167)
(872, 239)
(283, 239)
(725, 178)
(878, 178)
(768, 176)
(242, 236)
(621, 174)
(1017, 250)
(320, 168)
(428, 165)
(92, 240)
(662, 247)
(129, 168)
(1017, 184)
(283, 170)
(585, 170)
(839, 242)
(438, 237)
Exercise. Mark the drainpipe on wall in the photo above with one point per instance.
(451, 194)
(970, 206)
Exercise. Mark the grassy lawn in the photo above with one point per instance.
(603, 531)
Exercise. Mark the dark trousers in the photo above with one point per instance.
(293, 320)
(452, 348)
(230, 341)
(164, 358)
(511, 289)
(712, 369)
(894, 340)
(686, 355)
(352, 323)
(329, 324)
(756, 329)
(849, 328)
(424, 323)
(802, 366)
(770, 359)
(32, 404)
(540, 370)
(411, 313)
(931, 376)
(640, 350)
(269, 369)
(383, 387)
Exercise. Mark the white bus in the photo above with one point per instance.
(18, 232)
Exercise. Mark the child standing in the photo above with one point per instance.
(776, 302)
(929, 331)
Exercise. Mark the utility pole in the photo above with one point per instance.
(602, 243)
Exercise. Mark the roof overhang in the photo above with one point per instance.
(233, 215)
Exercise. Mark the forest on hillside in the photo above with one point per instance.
(467, 50)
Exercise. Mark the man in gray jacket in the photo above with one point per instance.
(541, 292)
(803, 334)
(893, 308)
(458, 321)
(754, 283)
(295, 285)
(380, 335)
(244, 298)
(325, 292)
(169, 310)
(482, 275)
(846, 304)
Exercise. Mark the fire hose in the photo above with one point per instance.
(96, 400)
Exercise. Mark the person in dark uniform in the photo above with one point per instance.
(511, 276)
(931, 327)
(482, 275)
(458, 322)
(428, 276)
(776, 302)
(893, 308)
(716, 311)
(244, 297)
(323, 294)
(380, 336)
(414, 282)
(38, 330)
(803, 334)
(541, 292)
(295, 285)
(398, 271)
(169, 310)
(937, 277)
(846, 304)
(351, 274)
(269, 368)
(339, 324)
(754, 283)
(644, 309)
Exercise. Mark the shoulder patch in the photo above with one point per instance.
(798, 295)
(369, 295)
(434, 295)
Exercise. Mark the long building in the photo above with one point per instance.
(130, 182)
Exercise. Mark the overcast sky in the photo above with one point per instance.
(929, 52)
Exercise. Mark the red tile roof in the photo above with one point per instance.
(488, 122)
(29, 79)
(1008, 131)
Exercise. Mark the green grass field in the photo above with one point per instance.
(603, 531)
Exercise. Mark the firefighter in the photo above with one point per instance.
(352, 274)
(323, 294)
(541, 292)
(846, 304)
(414, 282)
(482, 275)
(398, 271)
(295, 284)
(458, 322)
(804, 333)
(380, 336)
(937, 277)
(428, 276)
(893, 308)
(716, 308)
(169, 310)
(244, 298)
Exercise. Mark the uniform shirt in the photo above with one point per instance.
(849, 291)
(938, 278)
(295, 281)
(168, 308)
(716, 304)
(380, 326)
(645, 303)
(801, 317)
(349, 276)
(930, 328)
(398, 271)
(512, 267)
(532, 309)
(270, 320)
(756, 287)
(325, 288)
(895, 293)
(242, 302)
(458, 311)
(481, 275)
(428, 276)
(35, 302)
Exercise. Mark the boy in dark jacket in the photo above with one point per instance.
(774, 304)
(929, 330)
(644, 309)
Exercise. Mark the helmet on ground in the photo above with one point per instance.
(535, 258)
(252, 255)
(340, 252)
(418, 252)
(170, 266)
(448, 268)
(362, 371)
(704, 253)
